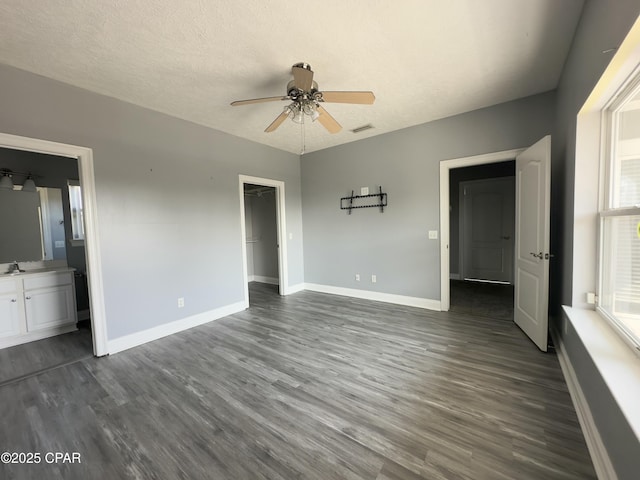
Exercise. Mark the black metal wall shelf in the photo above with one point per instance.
(380, 196)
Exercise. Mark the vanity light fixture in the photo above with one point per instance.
(29, 185)
(5, 182)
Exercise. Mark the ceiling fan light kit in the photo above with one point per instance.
(306, 98)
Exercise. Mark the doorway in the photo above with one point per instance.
(261, 235)
(264, 241)
(450, 244)
(93, 299)
(532, 209)
(482, 231)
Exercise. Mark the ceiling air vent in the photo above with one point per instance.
(362, 128)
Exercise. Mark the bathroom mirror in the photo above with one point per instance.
(31, 225)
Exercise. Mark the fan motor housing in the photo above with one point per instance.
(295, 92)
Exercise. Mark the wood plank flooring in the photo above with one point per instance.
(482, 299)
(309, 386)
(30, 358)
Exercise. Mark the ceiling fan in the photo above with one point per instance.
(306, 100)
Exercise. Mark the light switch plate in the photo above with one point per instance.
(364, 191)
(433, 234)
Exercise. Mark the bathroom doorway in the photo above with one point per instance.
(56, 247)
(82, 158)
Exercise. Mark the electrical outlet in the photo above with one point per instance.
(433, 234)
(374, 279)
(181, 302)
(364, 190)
(357, 277)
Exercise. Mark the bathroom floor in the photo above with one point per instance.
(32, 358)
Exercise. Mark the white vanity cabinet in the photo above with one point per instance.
(9, 313)
(36, 305)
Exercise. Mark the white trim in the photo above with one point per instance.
(425, 303)
(296, 288)
(151, 334)
(262, 279)
(92, 244)
(599, 455)
(445, 166)
(283, 269)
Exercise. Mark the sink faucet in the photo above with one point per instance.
(14, 267)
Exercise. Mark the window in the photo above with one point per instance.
(77, 215)
(619, 292)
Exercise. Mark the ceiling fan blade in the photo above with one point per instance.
(365, 98)
(328, 121)
(302, 77)
(258, 100)
(277, 122)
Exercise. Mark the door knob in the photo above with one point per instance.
(547, 256)
(537, 255)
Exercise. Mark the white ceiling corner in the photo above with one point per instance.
(423, 59)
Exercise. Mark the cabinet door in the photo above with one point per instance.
(49, 307)
(9, 315)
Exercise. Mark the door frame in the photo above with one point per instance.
(84, 156)
(283, 277)
(445, 167)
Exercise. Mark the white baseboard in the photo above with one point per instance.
(151, 334)
(599, 455)
(455, 276)
(262, 279)
(294, 289)
(377, 296)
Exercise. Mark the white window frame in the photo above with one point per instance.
(608, 194)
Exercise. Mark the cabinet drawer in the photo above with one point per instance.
(8, 286)
(44, 281)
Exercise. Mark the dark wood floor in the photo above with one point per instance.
(482, 299)
(34, 357)
(309, 386)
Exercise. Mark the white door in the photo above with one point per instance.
(488, 229)
(533, 198)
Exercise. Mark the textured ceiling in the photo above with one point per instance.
(423, 59)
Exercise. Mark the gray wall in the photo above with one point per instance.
(265, 250)
(603, 25)
(248, 229)
(168, 206)
(394, 245)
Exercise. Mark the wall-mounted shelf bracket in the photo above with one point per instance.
(355, 201)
